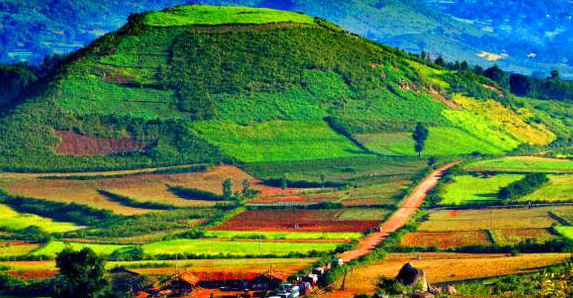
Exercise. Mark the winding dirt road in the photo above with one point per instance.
(400, 217)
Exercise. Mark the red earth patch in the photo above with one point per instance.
(76, 144)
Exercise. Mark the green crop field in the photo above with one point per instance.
(559, 188)
(442, 141)
(8, 249)
(283, 235)
(522, 164)
(11, 219)
(471, 190)
(54, 247)
(278, 140)
(566, 231)
(214, 15)
(200, 246)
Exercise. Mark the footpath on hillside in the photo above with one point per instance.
(400, 217)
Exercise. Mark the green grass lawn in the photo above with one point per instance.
(215, 15)
(566, 231)
(11, 219)
(442, 141)
(284, 235)
(200, 246)
(559, 188)
(470, 190)
(523, 164)
(278, 140)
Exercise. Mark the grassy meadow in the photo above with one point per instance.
(522, 164)
(559, 188)
(476, 190)
(13, 220)
(278, 140)
(443, 141)
(215, 15)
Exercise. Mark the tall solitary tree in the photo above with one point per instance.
(81, 274)
(420, 136)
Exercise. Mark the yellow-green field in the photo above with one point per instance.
(476, 190)
(442, 141)
(13, 220)
(201, 246)
(522, 164)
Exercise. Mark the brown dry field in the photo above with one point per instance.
(443, 268)
(143, 187)
(46, 269)
(514, 236)
(446, 239)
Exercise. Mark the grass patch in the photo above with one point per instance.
(515, 236)
(13, 220)
(442, 141)
(54, 247)
(216, 15)
(472, 190)
(278, 140)
(522, 164)
(566, 231)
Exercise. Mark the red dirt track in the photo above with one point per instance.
(400, 217)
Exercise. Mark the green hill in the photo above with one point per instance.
(212, 84)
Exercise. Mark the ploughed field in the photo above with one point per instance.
(344, 220)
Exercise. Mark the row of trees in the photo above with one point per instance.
(523, 187)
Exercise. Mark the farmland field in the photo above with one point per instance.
(13, 220)
(289, 265)
(559, 188)
(442, 141)
(16, 248)
(283, 235)
(566, 231)
(200, 246)
(278, 140)
(443, 268)
(471, 190)
(141, 187)
(515, 236)
(522, 164)
(446, 239)
(354, 169)
(447, 267)
(305, 220)
(471, 220)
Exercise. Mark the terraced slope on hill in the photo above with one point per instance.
(210, 84)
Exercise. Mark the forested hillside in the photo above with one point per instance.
(211, 84)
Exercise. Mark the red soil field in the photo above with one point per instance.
(446, 239)
(294, 220)
(76, 144)
(34, 274)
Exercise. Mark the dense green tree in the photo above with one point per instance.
(555, 74)
(228, 189)
(519, 84)
(420, 135)
(81, 274)
(496, 74)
